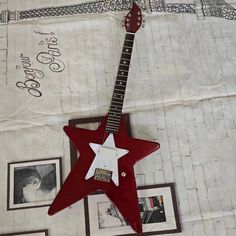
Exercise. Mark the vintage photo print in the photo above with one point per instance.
(151, 211)
(33, 183)
(158, 213)
(29, 233)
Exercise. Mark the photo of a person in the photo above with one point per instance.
(33, 183)
(30, 186)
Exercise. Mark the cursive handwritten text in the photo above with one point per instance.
(32, 76)
(51, 56)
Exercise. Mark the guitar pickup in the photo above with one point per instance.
(103, 175)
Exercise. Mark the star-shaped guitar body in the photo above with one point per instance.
(122, 192)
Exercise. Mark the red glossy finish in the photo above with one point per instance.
(123, 196)
(133, 20)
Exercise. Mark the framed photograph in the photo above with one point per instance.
(91, 123)
(158, 212)
(33, 183)
(30, 233)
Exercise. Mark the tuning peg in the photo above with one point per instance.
(143, 25)
(123, 22)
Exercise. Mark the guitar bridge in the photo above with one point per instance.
(103, 175)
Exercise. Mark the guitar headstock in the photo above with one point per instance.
(133, 20)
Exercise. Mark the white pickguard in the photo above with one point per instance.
(106, 157)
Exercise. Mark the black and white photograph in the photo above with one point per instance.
(29, 233)
(158, 212)
(33, 183)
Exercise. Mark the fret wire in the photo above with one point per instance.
(124, 86)
(115, 115)
(109, 129)
(115, 124)
(127, 51)
(127, 47)
(124, 71)
(112, 126)
(116, 121)
(114, 110)
(121, 90)
(119, 99)
(113, 118)
(116, 105)
(129, 41)
(120, 65)
(120, 102)
(118, 94)
(121, 80)
(125, 59)
(121, 95)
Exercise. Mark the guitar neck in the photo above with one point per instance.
(115, 111)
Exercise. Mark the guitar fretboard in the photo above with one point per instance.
(115, 111)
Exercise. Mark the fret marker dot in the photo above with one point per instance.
(126, 50)
(122, 73)
(124, 62)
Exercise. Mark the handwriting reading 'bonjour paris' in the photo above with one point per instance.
(51, 56)
(31, 76)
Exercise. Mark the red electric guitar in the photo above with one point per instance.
(107, 155)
